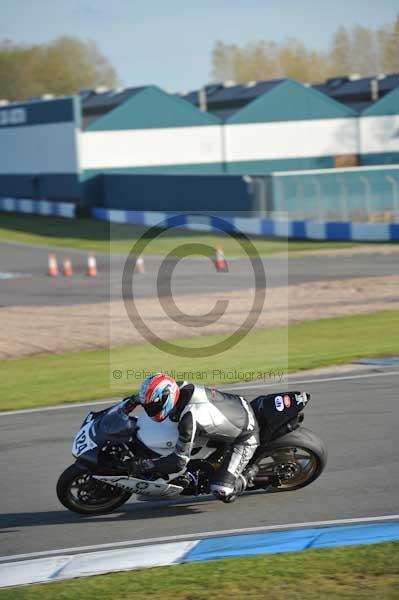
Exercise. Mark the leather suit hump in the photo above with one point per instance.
(217, 415)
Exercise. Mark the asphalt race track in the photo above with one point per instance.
(356, 414)
(31, 286)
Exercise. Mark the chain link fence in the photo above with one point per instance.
(358, 194)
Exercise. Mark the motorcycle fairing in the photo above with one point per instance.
(156, 489)
(162, 437)
(276, 411)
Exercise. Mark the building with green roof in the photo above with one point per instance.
(291, 126)
(153, 132)
(379, 131)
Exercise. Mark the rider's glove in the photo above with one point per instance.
(130, 403)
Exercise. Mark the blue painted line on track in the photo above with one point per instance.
(291, 541)
(381, 362)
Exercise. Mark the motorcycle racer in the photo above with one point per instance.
(203, 415)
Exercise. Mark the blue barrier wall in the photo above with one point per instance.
(280, 228)
(57, 186)
(334, 194)
(38, 207)
(213, 193)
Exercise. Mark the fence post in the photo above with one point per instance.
(261, 183)
(301, 197)
(252, 192)
(343, 200)
(317, 186)
(395, 196)
(281, 197)
(367, 188)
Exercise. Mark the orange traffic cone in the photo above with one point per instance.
(220, 261)
(67, 270)
(139, 265)
(52, 270)
(91, 266)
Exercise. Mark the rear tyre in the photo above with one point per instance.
(291, 462)
(80, 493)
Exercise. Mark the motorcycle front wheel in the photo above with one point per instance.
(291, 462)
(80, 493)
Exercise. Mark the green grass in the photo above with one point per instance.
(352, 573)
(71, 377)
(88, 234)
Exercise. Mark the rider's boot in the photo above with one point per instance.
(246, 478)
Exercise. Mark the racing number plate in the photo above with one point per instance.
(83, 442)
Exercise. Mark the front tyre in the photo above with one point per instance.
(80, 493)
(291, 462)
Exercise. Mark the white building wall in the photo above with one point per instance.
(150, 147)
(379, 134)
(40, 148)
(291, 139)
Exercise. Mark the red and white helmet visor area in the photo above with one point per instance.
(159, 394)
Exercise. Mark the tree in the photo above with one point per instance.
(366, 58)
(340, 53)
(63, 66)
(297, 62)
(358, 50)
(389, 44)
(266, 60)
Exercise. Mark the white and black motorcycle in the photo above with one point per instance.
(288, 458)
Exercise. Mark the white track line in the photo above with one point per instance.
(203, 535)
(321, 380)
(247, 386)
(27, 411)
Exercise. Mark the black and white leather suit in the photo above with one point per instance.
(205, 414)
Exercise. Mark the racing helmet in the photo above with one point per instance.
(158, 395)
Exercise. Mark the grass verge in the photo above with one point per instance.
(361, 573)
(88, 234)
(72, 377)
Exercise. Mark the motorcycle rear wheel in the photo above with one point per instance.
(296, 459)
(80, 493)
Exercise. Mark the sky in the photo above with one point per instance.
(169, 42)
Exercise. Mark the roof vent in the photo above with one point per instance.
(334, 82)
(85, 93)
(381, 76)
(48, 96)
(4, 102)
(354, 77)
(229, 83)
(374, 89)
(101, 89)
(251, 83)
(212, 87)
